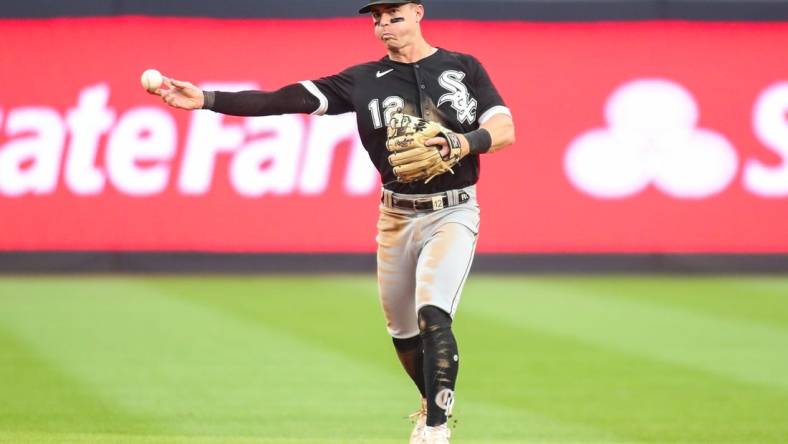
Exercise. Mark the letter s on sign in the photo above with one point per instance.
(770, 123)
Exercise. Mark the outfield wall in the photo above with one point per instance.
(656, 143)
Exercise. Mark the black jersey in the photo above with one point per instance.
(450, 88)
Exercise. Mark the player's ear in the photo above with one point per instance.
(419, 9)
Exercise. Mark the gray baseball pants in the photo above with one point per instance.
(424, 257)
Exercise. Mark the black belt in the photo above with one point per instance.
(429, 203)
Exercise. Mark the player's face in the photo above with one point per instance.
(397, 25)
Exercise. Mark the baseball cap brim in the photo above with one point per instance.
(369, 6)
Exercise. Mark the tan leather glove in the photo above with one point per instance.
(411, 158)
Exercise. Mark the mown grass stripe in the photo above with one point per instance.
(761, 300)
(629, 397)
(744, 351)
(38, 397)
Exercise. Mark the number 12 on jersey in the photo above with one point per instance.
(391, 106)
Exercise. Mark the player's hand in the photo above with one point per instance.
(442, 145)
(180, 94)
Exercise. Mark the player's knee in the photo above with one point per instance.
(432, 319)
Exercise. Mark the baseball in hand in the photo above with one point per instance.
(151, 80)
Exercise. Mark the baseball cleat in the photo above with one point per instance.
(436, 435)
(420, 420)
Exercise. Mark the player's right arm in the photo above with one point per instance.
(292, 99)
(299, 98)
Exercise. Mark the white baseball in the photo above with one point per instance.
(151, 80)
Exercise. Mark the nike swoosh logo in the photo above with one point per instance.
(381, 74)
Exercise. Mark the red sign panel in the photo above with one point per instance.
(632, 137)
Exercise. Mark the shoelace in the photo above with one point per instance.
(414, 417)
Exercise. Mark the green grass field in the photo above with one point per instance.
(306, 359)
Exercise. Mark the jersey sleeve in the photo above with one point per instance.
(335, 93)
(490, 101)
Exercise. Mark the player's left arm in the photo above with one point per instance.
(501, 130)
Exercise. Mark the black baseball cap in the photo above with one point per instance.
(369, 6)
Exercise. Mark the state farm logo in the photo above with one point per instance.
(653, 138)
(135, 152)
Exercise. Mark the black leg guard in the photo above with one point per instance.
(441, 362)
(411, 354)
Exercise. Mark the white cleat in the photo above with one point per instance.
(436, 435)
(440, 434)
(420, 420)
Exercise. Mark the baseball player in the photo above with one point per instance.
(425, 116)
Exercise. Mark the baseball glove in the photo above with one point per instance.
(411, 158)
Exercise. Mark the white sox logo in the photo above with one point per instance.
(445, 400)
(459, 97)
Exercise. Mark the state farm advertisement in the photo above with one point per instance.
(631, 137)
